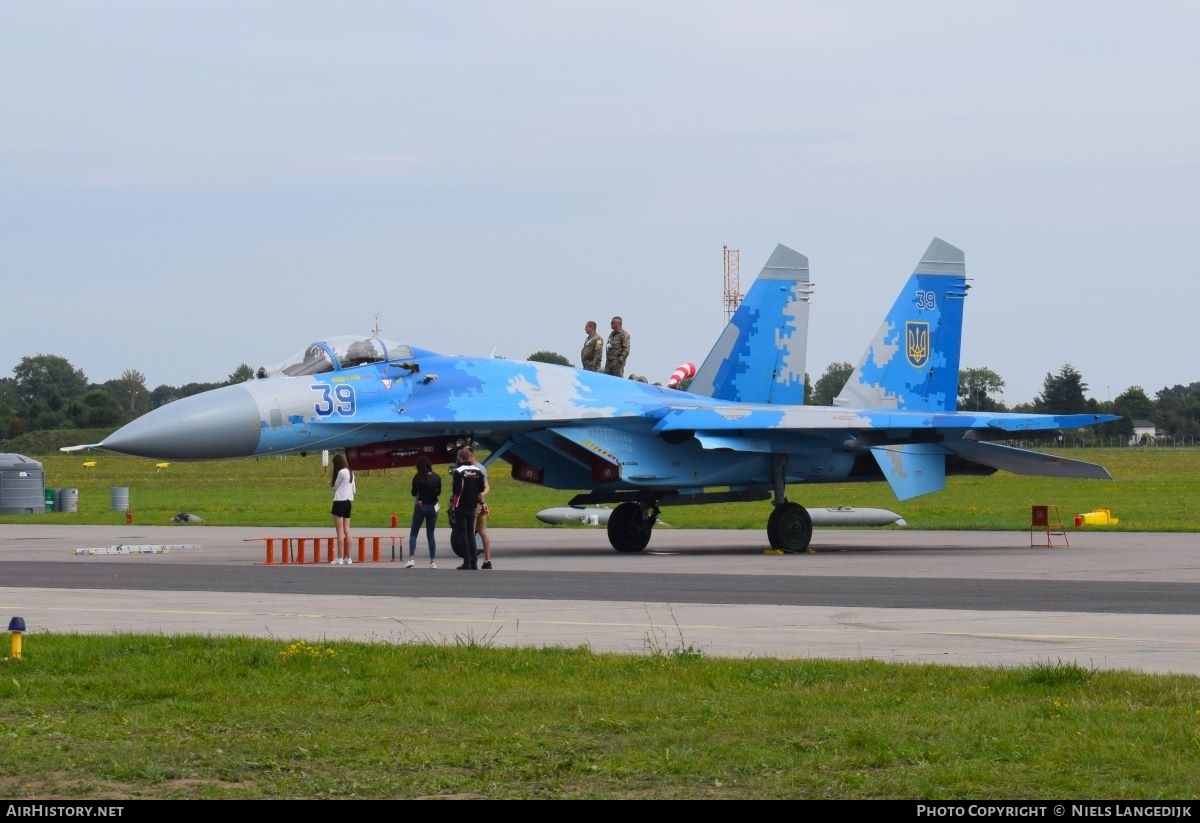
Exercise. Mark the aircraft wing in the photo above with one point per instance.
(910, 448)
(761, 417)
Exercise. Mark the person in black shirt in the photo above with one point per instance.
(469, 492)
(426, 489)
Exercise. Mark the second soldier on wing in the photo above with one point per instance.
(618, 348)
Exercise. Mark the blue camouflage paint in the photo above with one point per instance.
(896, 372)
(897, 411)
(760, 356)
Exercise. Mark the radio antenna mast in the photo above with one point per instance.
(732, 295)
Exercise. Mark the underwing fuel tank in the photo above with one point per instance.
(836, 516)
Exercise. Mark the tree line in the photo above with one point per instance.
(47, 392)
(1174, 411)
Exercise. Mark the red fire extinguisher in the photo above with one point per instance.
(395, 522)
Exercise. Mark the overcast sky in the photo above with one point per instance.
(187, 186)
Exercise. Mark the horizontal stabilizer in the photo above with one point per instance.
(1023, 461)
(912, 469)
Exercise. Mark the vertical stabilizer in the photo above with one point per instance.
(760, 357)
(912, 362)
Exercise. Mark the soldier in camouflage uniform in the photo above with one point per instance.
(593, 348)
(618, 349)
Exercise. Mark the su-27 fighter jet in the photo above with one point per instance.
(741, 432)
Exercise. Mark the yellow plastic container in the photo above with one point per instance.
(1097, 517)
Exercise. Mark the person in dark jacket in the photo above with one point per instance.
(469, 493)
(426, 489)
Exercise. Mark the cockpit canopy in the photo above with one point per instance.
(337, 353)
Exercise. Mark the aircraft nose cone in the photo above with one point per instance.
(212, 425)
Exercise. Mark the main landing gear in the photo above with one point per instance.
(630, 524)
(789, 528)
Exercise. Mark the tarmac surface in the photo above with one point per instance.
(1113, 600)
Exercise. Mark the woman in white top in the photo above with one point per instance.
(343, 497)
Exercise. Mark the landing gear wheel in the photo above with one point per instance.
(455, 540)
(629, 529)
(456, 543)
(789, 528)
(773, 535)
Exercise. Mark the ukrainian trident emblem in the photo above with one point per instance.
(916, 343)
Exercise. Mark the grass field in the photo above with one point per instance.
(1152, 490)
(214, 718)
